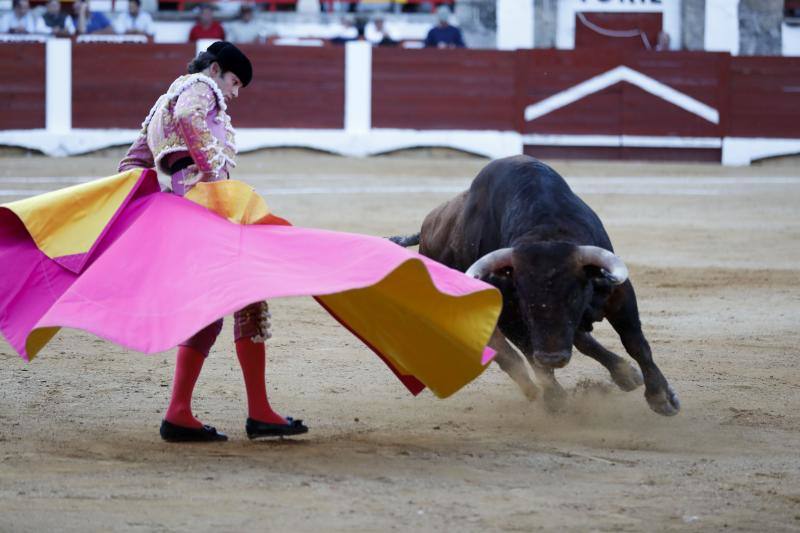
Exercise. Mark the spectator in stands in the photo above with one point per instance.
(246, 29)
(377, 35)
(350, 31)
(88, 21)
(55, 22)
(443, 35)
(206, 27)
(135, 21)
(361, 28)
(20, 19)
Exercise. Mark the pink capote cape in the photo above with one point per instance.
(145, 269)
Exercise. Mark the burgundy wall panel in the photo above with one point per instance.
(22, 91)
(292, 87)
(573, 152)
(698, 75)
(644, 114)
(597, 114)
(543, 73)
(623, 108)
(764, 96)
(632, 153)
(115, 85)
(443, 89)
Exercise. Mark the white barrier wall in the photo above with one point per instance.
(722, 26)
(515, 24)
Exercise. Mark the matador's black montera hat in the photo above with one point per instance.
(231, 58)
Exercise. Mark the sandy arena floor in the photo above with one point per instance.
(714, 257)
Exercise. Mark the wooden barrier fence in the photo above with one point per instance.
(610, 104)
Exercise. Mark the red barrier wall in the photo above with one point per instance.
(292, 87)
(764, 97)
(22, 91)
(622, 108)
(633, 153)
(443, 89)
(115, 85)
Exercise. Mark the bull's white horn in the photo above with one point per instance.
(490, 262)
(613, 265)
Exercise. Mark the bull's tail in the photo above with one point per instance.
(405, 240)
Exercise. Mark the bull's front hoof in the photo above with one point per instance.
(555, 399)
(627, 377)
(664, 402)
(531, 392)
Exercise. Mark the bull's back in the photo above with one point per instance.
(520, 196)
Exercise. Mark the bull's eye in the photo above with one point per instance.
(506, 272)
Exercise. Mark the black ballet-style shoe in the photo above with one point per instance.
(174, 433)
(261, 430)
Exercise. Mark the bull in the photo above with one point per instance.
(520, 228)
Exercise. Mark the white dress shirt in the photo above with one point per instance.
(142, 23)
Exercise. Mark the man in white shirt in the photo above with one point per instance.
(19, 19)
(246, 29)
(135, 21)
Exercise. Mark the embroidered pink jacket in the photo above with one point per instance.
(190, 118)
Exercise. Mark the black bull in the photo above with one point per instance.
(521, 228)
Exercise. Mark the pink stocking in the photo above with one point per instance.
(252, 358)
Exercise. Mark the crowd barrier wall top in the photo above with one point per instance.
(66, 98)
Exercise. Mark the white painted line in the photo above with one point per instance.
(612, 77)
(43, 179)
(611, 185)
(402, 189)
(708, 180)
(670, 142)
(611, 180)
(21, 192)
(640, 191)
(622, 140)
(386, 191)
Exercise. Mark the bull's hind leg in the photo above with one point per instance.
(623, 314)
(513, 365)
(626, 376)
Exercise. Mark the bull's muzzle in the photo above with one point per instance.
(552, 359)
